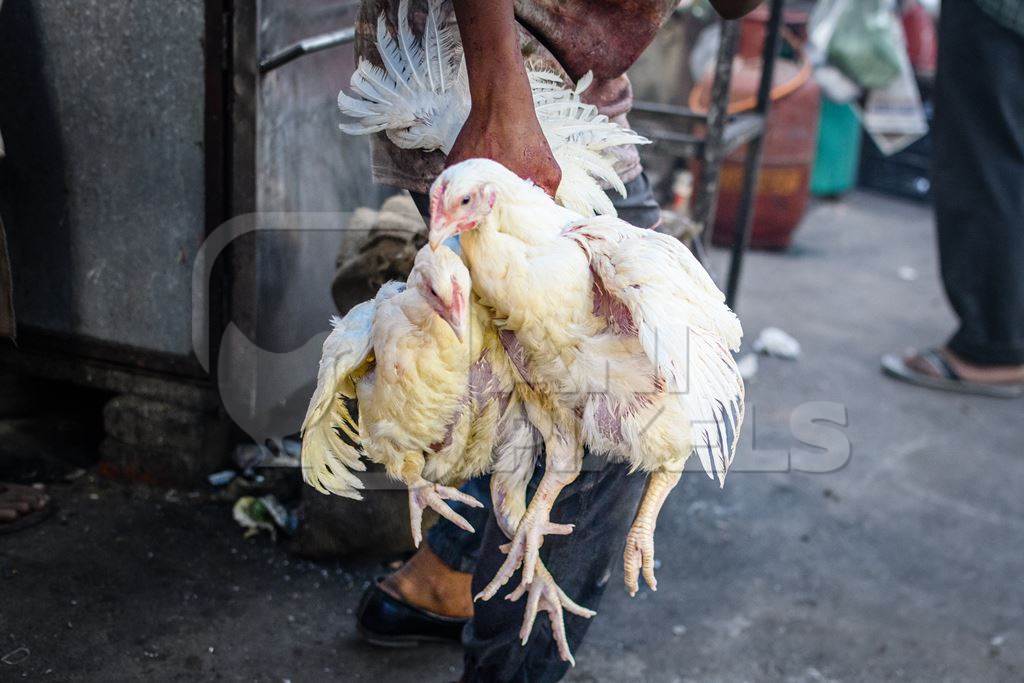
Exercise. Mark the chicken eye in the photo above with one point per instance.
(466, 200)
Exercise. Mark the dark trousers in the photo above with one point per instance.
(978, 181)
(601, 503)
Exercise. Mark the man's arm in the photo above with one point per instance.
(502, 123)
(734, 9)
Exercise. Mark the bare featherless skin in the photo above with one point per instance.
(432, 384)
(621, 335)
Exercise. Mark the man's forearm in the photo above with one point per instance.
(502, 123)
(491, 45)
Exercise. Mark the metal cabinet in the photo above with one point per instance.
(135, 132)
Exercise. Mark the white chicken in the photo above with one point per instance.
(421, 99)
(621, 332)
(437, 405)
(432, 384)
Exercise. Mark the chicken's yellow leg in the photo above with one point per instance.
(563, 461)
(511, 476)
(639, 554)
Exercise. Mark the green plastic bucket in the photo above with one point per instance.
(835, 163)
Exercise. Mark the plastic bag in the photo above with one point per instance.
(821, 26)
(893, 116)
(862, 44)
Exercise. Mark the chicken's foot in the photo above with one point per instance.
(424, 494)
(639, 553)
(545, 595)
(508, 490)
(562, 466)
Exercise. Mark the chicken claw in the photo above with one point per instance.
(423, 495)
(524, 550)
(639, 555)
(545, 595)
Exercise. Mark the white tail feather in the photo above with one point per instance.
(421, 100)
(411, 50)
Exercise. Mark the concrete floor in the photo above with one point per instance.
(905, 563)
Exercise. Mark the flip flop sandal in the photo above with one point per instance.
(934, 372)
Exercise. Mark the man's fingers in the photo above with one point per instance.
(550, 177)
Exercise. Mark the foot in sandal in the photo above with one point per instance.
(940, 368)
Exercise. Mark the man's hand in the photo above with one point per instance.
(510, 135)
(502, 123)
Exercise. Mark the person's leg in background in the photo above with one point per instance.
(437, 577)
(978, 183)
(429, 596)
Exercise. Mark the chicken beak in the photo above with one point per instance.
(454, 320)
(455, 315)
(459, 334)
(440, 230)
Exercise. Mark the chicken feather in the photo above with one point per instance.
(421, 99)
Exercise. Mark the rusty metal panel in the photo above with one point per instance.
(102, 109)
(304, 164)
(305, 180)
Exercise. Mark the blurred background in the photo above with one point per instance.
(182, 217)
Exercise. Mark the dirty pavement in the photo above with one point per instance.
(903, 563)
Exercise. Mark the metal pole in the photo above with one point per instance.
(752, 164)
(706, 195)
(307, 47)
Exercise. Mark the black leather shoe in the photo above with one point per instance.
(389, 622)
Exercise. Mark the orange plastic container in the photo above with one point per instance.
(789, 147)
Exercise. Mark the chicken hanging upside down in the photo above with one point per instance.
(436, 405)
(619, 330)
(428, 381)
